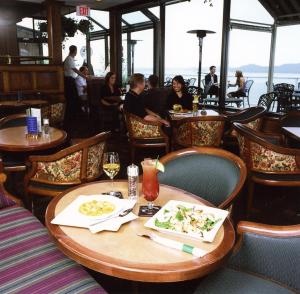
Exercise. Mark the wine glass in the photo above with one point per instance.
(111, 165)
(150, 183)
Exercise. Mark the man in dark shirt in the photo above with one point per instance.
(211, 82)
(155, 98)
(134, 100)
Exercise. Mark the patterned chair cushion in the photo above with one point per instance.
(201, 133)
(31, 263)
(65, 170)
(255, 124)
(95, 155)
(4, 201)
(236, 282)
(141, 130)
(263, 159)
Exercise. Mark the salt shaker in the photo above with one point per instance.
(133, 182)
(46, 126)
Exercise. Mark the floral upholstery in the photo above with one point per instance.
(254, 125)
(141, 130)
(241, 141)
(57, 113)
(95, 155)
(66, 169)
(263, 159)
(200, 133)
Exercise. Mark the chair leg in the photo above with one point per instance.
(250, 196)
(248, 100)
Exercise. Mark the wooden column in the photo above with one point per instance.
(54, 31)
(224, 53)
(115, 29)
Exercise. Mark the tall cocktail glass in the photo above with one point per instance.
(150, 183)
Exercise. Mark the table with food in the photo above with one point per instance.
(140, 230)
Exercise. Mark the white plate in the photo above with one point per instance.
(207, 236)
(179, 113)
(80, 200)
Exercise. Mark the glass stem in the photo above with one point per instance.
(112, 184)
(150, 205)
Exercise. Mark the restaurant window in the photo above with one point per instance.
(137, 37)
(182, 49)
(249, 50)
(287, 56)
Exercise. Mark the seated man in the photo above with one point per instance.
(134, 103)
(81, 86)
(211, 82)
(155, 98)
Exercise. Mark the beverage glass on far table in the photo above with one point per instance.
(150, 183)
(111, 165)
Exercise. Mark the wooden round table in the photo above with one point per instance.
(125, 255)
(14, 139)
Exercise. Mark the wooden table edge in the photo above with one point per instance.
(176, 272)
(52, 144)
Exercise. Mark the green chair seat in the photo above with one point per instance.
(237, 282)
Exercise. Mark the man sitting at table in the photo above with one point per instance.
(211, 82)
(155, 99)
(134, 103)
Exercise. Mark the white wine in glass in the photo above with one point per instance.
(111, 165)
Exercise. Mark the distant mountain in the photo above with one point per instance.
(284, 68)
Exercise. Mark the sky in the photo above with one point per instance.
(182, 49)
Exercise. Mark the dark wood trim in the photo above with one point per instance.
(143, 272)
(215, 152)
(268, 230)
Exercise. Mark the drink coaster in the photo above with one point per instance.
(144, 211)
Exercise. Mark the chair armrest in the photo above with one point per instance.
(7, 194)
(269, 251)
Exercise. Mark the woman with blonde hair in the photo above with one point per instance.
(240, 83)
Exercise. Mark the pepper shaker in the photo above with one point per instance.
(133, 182)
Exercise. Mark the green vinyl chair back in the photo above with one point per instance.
(213, 174)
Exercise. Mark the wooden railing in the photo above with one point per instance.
(8, 59)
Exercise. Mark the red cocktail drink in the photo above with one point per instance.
(150, 181)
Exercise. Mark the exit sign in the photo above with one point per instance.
(82, 10)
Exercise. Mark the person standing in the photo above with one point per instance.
(82, 88)
(70, 74)
(211, 82)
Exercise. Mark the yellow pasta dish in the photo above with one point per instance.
(96, 208)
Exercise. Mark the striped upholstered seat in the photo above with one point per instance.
(31, 263)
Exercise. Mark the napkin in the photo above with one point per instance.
(71, 217)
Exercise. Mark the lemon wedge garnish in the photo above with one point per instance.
(160, 166)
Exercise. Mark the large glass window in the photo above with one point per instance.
(182, 49)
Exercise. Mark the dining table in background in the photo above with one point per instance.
(178, 116)
(14, 139)
(124, 254)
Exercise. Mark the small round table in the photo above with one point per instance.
(125, 255)
(14, 140)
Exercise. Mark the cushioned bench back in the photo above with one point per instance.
(211, 177)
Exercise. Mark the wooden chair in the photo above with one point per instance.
(145, 134)
(265, 260)
(57, 114)
(267, 162)
(199, 131)
(211, 173)
(52, 174)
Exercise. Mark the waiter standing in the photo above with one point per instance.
(70, 73)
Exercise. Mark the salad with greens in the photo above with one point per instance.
(190, 220)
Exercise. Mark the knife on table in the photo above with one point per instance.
(175, 244)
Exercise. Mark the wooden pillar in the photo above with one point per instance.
(224, 53)
(115, 29)
(54, 31)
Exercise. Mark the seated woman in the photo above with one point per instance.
(179, 95)
(240, 83)
(111, 99)
(111, 94)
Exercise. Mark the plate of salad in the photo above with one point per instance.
(188, 219)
